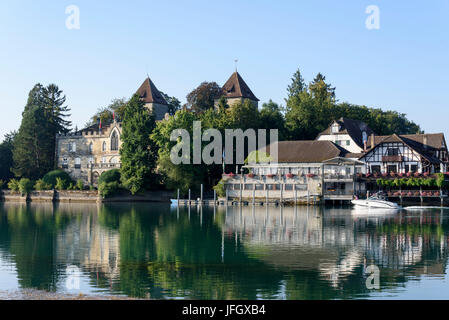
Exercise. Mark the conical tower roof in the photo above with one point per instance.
(236, 87)
(150, 94)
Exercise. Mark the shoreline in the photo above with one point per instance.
(34, 294)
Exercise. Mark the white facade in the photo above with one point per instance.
(343, 140)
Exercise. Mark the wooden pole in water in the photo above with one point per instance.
(215, 198)
(202, 186)
(190, 194)
(227, 197)
(296, 195)
(254, 195)
(178, 197)
(282, 193)
(267, 197)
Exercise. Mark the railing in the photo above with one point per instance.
(104, 165)
(328, 176)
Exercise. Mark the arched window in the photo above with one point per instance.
(104, 146)
(114, 141)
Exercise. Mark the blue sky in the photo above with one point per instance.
(402, 66)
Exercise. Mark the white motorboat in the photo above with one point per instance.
(375, 201)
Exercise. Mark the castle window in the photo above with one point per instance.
(91, 147)
(114, 141)
(335, 128)
(104, 146)
(65, 163)
(77, 163)
(72, 146)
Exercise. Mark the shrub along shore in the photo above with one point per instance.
(57, 186)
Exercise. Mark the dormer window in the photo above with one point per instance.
(335, 128)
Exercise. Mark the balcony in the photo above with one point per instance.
(104, 165)
(392, 158)
(338, 177)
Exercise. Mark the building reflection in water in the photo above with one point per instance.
(223, 253)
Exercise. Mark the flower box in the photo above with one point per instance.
(392, 174)
(310, 175)
(409, 174)
(410, 194)
(368, 175)
(231, 175)
(376, 175)
(416, 193)
(416, 174)
(400, 174)
(270, 175)
(384, 174)
(426, 174)
(289, 175)
(437, 194)
(250, 175)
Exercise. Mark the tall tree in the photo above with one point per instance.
(56, 113)
(33, 145)
(138, 152)
(203, 97)
(297, 86)
(6, 156)
(271, 117)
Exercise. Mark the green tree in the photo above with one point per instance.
(6, 156)
(271, 117)
(173, 104)
(138, 152)
(203, 97)
(33, 152)
(106, 114)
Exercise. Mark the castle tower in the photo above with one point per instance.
(153, 99)
(236, 90)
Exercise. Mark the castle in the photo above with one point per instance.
(87, 153)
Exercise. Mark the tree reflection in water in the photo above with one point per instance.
(143, 250)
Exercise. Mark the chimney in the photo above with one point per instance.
(372, 140)
(425, 141)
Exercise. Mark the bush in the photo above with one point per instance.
(51, 177)
(80, 185)
(2, 184)
(25, 186)
(107, 189)
(110, 176)
(41, 185)
(220, 189)
(60, 184)
(13, 185)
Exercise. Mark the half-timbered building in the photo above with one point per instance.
(406, 153)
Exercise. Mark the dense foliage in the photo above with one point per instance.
(34, 144)
(110, 176)
(138, 152)
(51, 177)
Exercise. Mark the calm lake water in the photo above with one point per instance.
(158, 251)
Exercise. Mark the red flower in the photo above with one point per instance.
(289, 175)
(250, 175)
(409, 174)
(310, 175)
(416, 174)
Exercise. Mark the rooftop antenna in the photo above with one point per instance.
(235, 61)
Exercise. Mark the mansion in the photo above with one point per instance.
(87, 153)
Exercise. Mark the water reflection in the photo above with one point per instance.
(159, 251)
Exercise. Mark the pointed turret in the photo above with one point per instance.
(236, 90)
(153, 99)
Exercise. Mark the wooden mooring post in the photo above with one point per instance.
(190, 197)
